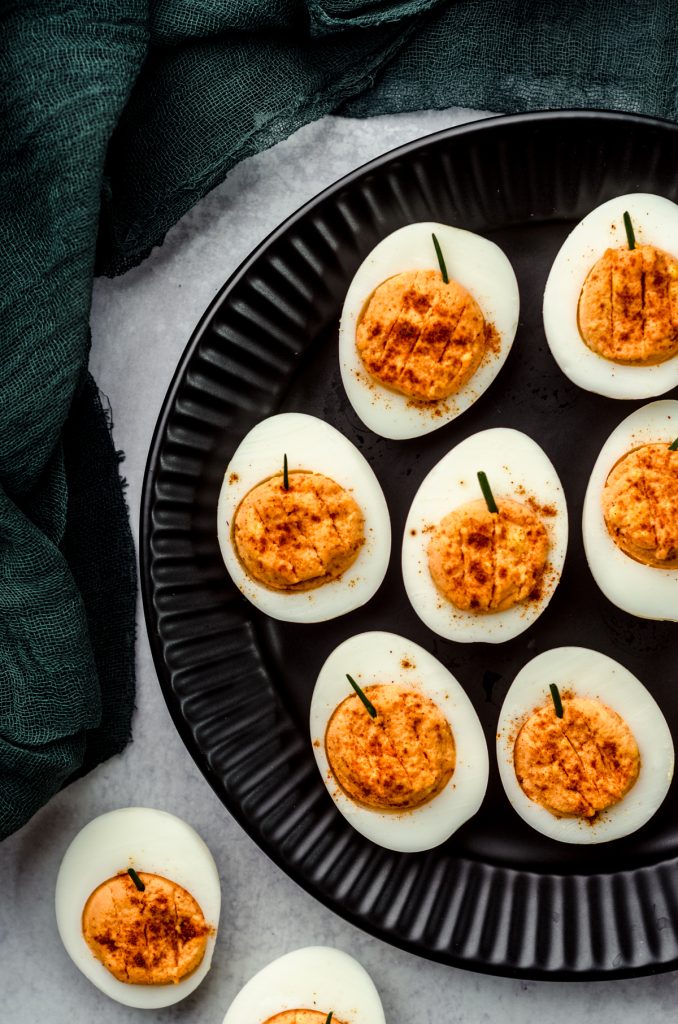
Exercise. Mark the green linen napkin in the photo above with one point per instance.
(116, 117)
(227, 79)
(67, 567)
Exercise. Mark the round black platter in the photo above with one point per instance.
(497, 897)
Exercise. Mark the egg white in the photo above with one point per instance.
(146, 840)
(511, 460)
(655, 222)
(314, 978)
(313, 445)
(588, 673)
(641, 590)
(477, 264)
(379, 657)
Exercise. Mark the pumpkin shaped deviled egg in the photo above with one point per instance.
(137, 906)
(485, 538)
(427, 324)
(397, 742)
(630, 519)
(584, 753)
(315, 985)
(611, 299)
(302, 522)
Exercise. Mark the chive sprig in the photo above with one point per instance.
(557, 702)
(329, 1017)
(630, 237)
(371, 710)
(135, 878)
(674, 447)
(441, 259)
(487, 493)
(286, 479)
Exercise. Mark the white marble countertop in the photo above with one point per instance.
(141, 323)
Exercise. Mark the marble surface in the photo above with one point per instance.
(141, 323)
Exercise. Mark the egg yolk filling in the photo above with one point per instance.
(577, 765)
(299, 538)
(301, 1017)
(628, 308)
(423, 337)
(488, 562)
(640, 505)
(400, 759)
(154, 937)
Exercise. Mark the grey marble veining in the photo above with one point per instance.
(141, 323)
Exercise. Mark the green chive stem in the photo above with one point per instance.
(441, 261)
(487, 492)
(557, 702)
(372, 711)
(674, 447)
(329, 1017)
(631, 238)
(135, 878)
(286, 479)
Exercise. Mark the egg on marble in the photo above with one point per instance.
(305, 987)
(165, 853)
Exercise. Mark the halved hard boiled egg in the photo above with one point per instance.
(171, 909)
(599, 770)
(409, 772)
(302, 522)
(611, 299)
(475, 575)
(416, 350)
(630, 515)
(304, 987)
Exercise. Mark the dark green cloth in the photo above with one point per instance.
(67, 568)
(226, 79)
(117, 116)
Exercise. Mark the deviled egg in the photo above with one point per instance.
(427, 324)
(584, 753)
(630, 519)
(137, 906)
(305, 987)
(484, 567)
(397, 742)
(611, 299)
(302, 522)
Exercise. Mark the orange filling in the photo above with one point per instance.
(299, 538)
(401, 758)
(628, 308)
(577, 765)
(154, 937)
(301, 1017)
(640, 499)
(488, 562)
(422, 337)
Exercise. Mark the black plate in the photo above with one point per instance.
(497, 897)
